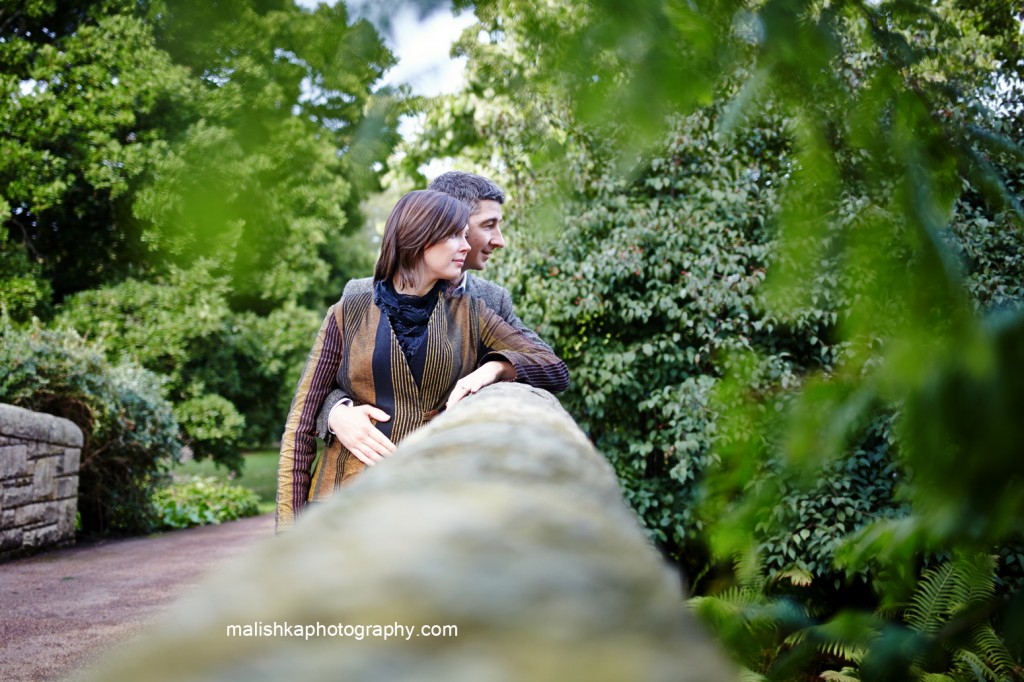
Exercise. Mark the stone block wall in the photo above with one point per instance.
(493, 545)
(39, 458)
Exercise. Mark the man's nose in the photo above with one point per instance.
(497, 241)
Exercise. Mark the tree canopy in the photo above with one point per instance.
(137, 135)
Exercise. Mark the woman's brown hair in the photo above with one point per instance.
(420, 219)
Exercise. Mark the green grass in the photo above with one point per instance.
(258, 474)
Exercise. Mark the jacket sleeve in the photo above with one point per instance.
(298, 443)
(323, 430)
(507, 312)
(535, 363)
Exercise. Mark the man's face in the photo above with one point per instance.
(484, 234)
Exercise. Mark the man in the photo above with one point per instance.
(352, 424)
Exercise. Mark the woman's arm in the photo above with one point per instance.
(298, 443)
(508, 355)
(534, 363)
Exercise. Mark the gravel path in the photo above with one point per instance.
(61, 609)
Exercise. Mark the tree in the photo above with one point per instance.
(141, 134)
(150, 148)
(216, 362)
(86, 99)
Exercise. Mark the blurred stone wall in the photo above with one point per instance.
(39, 456)
(498, 519)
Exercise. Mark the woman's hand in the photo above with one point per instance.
(488, 373)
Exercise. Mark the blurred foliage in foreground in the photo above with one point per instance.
(780, 245)
(179, 184)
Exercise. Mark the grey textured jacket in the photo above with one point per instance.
(494, 297)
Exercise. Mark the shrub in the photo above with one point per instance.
(649, 293)
(230, 375)
(213, 426)
(130, 434)
(202, 500)
(181, 329)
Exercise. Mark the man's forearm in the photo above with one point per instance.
(518, 325)
(323, 430)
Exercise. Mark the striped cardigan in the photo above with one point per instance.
(357, 349)
(494, 296)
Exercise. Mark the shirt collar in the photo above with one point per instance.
(460, 284)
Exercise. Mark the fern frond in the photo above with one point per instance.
(740, 596)
(951, 595)
(970, 662)
(991, 647)
(844, 650)
(847, 651)
(713, 611)
(758, 614)
(733, 606)
(936, 677)
(748, 675)
(929, 606)
(892, 611)
(796, 637)
(748, 569)
(974, 579)
(728, 604)
(847, 636)
(844, 675)
(798, 577)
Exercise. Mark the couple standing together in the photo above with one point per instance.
(416, 338)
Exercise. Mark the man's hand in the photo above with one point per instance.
(488, 373)
(354, 428)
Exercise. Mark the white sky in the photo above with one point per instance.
(421, 47)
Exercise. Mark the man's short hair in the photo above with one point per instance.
(468, 188)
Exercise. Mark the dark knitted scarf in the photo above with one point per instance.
(407, 314)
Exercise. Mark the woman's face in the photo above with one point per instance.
(444, 260)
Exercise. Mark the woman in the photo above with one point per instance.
(408, 347)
